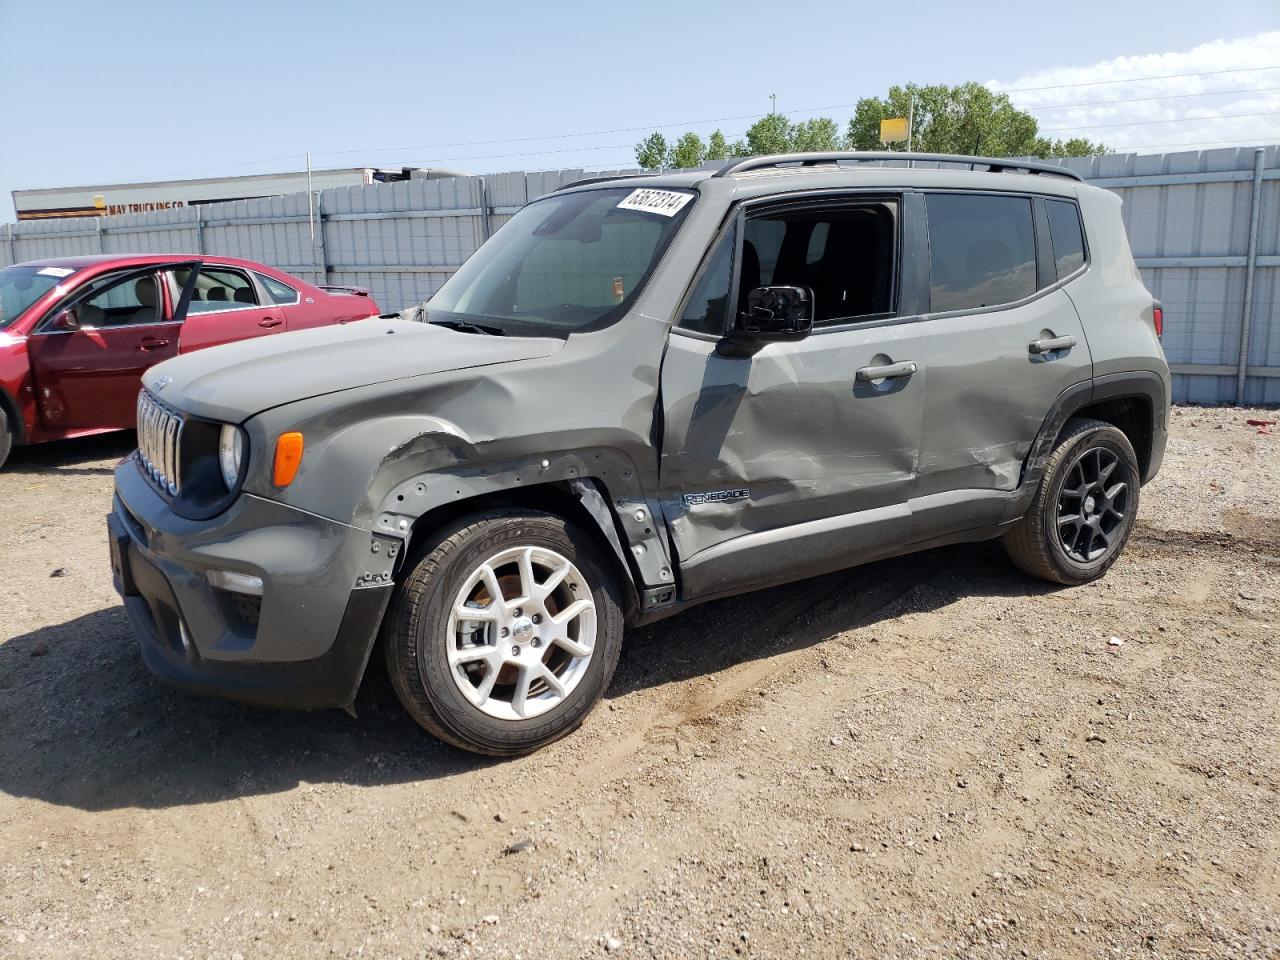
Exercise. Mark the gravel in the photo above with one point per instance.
(927, 757)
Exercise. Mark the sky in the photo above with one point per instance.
(136, 90)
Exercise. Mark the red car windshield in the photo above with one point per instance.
(24, 284)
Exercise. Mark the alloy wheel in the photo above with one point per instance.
(1091, 506)
(522, 630)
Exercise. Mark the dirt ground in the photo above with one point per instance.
(927, 757)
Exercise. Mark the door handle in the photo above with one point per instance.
(269, 322)
(887, 372)
(1051, 344)
(152, 343)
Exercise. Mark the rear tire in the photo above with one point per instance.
(507, 674)
(1084, 509)
(6, 436)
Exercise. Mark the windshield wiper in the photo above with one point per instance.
(466, 326)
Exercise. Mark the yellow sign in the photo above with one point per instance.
(894, 130)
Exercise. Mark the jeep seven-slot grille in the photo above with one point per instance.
(159, 442)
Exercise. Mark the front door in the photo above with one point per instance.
(225, 306)
(801, 457)
(1005, 341)
(88, 357)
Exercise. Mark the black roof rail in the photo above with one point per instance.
(612, 176)
(992, 164)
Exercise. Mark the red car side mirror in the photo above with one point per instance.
(65, 321)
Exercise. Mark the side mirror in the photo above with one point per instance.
(773, 313)
(65, 321)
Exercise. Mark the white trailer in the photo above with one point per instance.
(108, 199)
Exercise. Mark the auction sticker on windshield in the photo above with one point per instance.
(666, 203)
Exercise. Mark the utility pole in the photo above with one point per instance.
(773, 103)
(311, 202)
(911, 120)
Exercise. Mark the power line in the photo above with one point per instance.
(1166, 76)
(785, 113)
(749, 116)
(1169, 96)
(1239, 142)
(1143, 123)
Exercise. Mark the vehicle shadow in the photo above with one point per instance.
(77, 456)
(83, 724)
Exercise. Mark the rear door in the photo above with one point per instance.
(1004, 341)
(89, 354)
(801, 457)
(226, 305)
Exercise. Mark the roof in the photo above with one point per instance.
(139, 259)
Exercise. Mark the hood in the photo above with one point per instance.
(238, 380)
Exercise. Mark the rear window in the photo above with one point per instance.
(1068, 241)
(982, 250)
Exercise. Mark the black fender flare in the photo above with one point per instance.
(1145, 385)
(605, 483)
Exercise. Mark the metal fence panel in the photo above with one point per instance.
(1189, 217)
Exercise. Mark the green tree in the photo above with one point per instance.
(820, 133)
(967, 118)
(652, 152)
(689, 151)
(769, 134)
(717, 147)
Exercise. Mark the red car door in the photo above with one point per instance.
(225, 305)
(87, 359)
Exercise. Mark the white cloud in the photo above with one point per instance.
(1127, 117)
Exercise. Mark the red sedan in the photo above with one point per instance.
(77, 333)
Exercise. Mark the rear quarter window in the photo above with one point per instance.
(1068, 240)
(280, 293)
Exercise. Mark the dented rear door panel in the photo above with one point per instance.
(989, 393)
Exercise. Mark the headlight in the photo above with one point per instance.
(231, 454)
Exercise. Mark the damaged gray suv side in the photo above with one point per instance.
(641, 394)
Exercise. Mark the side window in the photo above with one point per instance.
(982, 250)
(281, 294)
(218, 288)
(118, 303)
(708, 305)
(1068, 241)
(844, 254)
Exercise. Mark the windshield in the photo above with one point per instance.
(23, 285)
(564, 263)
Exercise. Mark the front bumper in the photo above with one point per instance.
(304, 644)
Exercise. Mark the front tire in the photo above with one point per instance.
(1084, 509)
(6, 436)
(505, 633)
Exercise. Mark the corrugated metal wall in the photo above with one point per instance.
(1189, 217)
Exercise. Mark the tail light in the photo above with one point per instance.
(1157, 315)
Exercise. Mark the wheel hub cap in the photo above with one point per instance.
(1089, 505)
(522, 630)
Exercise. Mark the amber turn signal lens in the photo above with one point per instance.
(288, 458)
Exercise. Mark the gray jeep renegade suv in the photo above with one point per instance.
(640, 394)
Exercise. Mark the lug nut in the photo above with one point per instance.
(518, 612)
(515, 650)
(505, 632)
(536, 643)
(537, 618)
